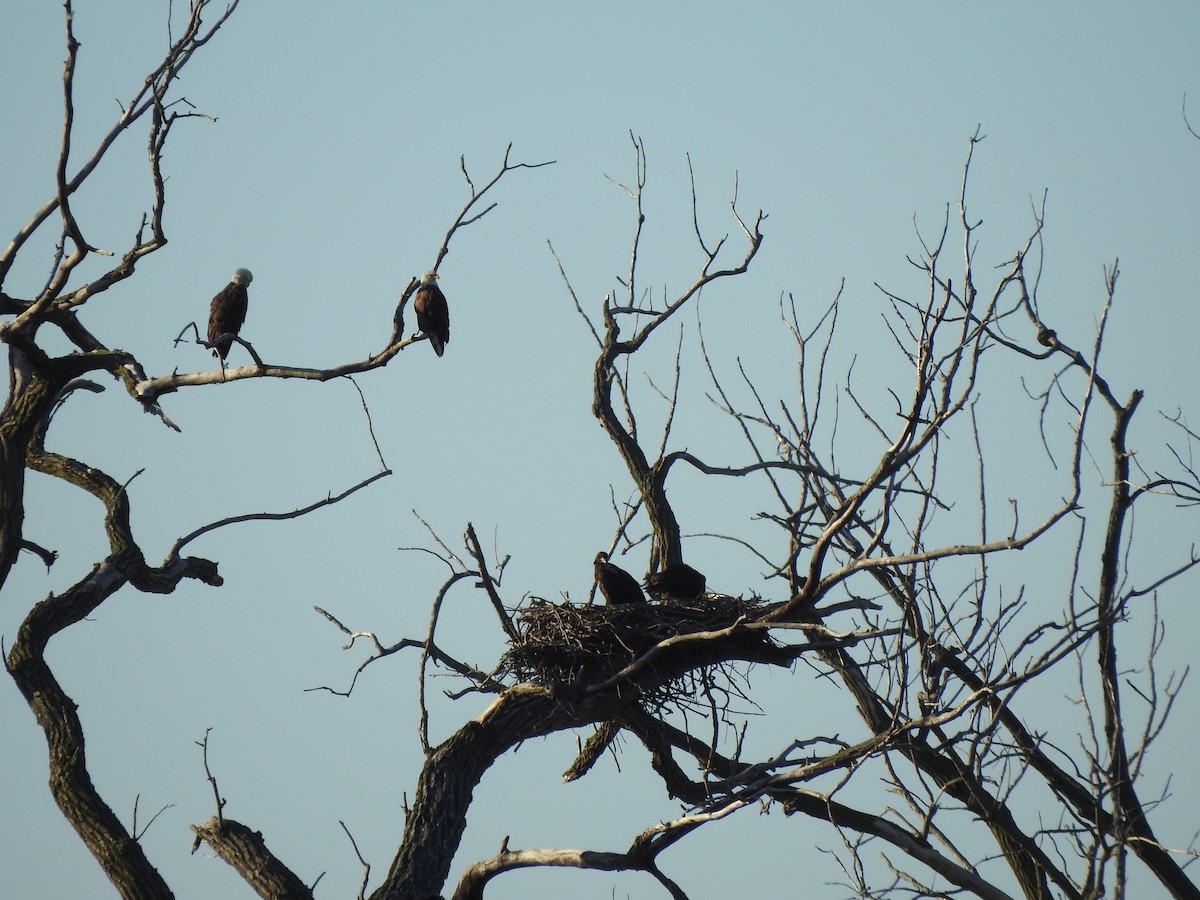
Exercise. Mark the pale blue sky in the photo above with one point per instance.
(332, 171)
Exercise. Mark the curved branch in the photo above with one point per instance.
(641, 857)
(280, 516)
(916, 846)
(125, 555)
(48, 557)
(148, 390)
(119, 855)
(70, 226)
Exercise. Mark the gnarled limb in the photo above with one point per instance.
(119, 855)
(246, 852)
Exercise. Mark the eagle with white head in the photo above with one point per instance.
(433, 315)
(228, 312)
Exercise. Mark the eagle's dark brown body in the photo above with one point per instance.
(678, 581)
(228, 312)
(433, 315)
(617, 585)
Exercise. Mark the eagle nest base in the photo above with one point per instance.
(578, 645)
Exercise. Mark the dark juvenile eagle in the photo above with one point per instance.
(678, 581)
(433, 315)
(228, 312)
(617, 585)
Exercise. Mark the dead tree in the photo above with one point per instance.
(885, 578)
(938, 662)
(40, 383)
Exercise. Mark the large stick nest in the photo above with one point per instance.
(568, 644)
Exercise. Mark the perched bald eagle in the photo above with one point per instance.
(617, 585)
(678, 581)
(433, 315)
(228, 312)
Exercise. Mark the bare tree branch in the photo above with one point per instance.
(246, 852)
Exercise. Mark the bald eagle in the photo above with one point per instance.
(678, 581)
(228, 312)
(617, 585)
(433, 315)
